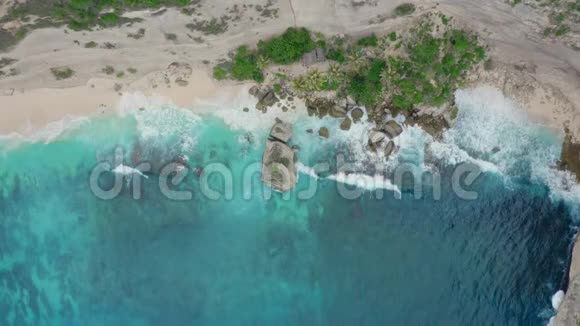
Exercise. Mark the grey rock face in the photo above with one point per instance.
(281, 131)
(393, 129)
(278, 166)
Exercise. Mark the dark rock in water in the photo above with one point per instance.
(357, 114)
(278, 166)
(346, 123)
(393, 129)
(281, 131)
(495, 150)
(570, 157)
(323, 132)
(245, 109)
(319, 107)
(337, 112)
(284, 108)
(309, 131)
(389, 149)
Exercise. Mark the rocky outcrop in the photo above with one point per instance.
(569, 310)
(266, 97)
(570, 158)
(319, 107)
(380, 138)
(323, 132)
(279, 159)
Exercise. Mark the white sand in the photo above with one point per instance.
(37, 98)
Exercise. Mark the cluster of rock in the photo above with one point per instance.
(279, 160)
(381, 137)
(266, 97)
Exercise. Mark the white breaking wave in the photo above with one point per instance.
(366, 181)
(128, 171)
(46, 134)
(157, 116)
(557, 299)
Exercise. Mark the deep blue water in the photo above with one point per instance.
(69, 258)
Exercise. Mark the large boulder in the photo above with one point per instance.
(393, 129)
(278, 166)
(265, 96)
(281, 131)
(323, 132)
(346, 124)
(337, 112)
(357, 114)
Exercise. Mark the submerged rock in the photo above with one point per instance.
(278, 166)
(346, 124)
(356, 114)
(323, 132)
(389, 149)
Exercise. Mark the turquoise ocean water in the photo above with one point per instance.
(381, 258)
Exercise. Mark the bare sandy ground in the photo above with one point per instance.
(33, 97)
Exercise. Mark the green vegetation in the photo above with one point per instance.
(219, 73)
(284, 49)
(77, 14)
(404, 9)
(170, 36)
(109, 70)
(370, 40)
(138, 35)
(209, 27)
(244, 66)
(365, 86)
(132, 70)
(61, 73)
(90, 45)
(434, 68)
(562, 14)
(120, 74)
(336, 54)
(393, 36)
(288, 47)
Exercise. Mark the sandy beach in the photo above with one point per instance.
(33, 97)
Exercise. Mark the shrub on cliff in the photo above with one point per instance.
(288, 47)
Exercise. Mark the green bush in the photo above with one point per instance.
(336, 54)
(219, 73)
(404, 9)
(288, 47)
(245, 66)
(61, 73)
(365, 87)
(370, 40)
